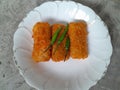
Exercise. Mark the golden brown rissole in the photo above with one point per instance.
(41, 37)
(78, 40)
(59, 55)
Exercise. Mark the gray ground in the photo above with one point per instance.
(13, 11)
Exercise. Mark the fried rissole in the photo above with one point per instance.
(41, 37)
(59, 54)
(78, 40)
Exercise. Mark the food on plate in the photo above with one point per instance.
(78, 40)
(58, 48)
(60, 42)
(41, 37)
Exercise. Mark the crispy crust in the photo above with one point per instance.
(42, 33)
(41, 36)
(59, 55)
(78, 40)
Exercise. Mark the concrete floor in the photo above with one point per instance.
(13, 11)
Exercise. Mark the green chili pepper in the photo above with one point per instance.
(67, 45)
(54, 37)
(61, 37)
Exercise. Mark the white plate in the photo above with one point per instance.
(72, 74)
